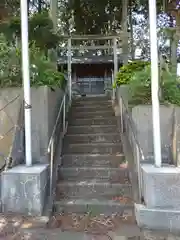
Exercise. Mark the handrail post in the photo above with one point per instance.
(115, 62)
(51, 167)
(113, 89)
(121, 115)
(155, 84)
(64, 114)
(138, 166)
(26, 82)
(69, 70)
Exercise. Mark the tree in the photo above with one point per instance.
(12, 7)
(40, 28)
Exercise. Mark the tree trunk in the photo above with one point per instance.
(39, 6)
(124, 27)
(172, 9)
(174, 43)
(3, 10)
(53, 12)
(131, 31)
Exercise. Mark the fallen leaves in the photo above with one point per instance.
(87, 223)
(12, 226)
(123, 200)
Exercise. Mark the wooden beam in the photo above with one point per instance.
(101, 47)
(69, 69)
(92, 37)
(115, 56)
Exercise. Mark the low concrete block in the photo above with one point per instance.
(157, 219)
(161, 187)
(24, 189)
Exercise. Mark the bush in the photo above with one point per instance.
(126, 72)
(10, 64)
(43, 71)
(171, 92)
(40, 30)
(140, 87)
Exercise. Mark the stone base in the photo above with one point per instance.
(161, 187)
(24, 189)
(157, 219)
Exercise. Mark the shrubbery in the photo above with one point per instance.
(127, 71)
(138, 77)
(43, 69)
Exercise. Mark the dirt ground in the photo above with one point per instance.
(19, 227)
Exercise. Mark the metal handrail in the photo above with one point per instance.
(139, 151)
(131, 124)
(51, 146)
(56, 124)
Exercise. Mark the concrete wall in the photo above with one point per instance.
(142, 121)
(176, 136)
(45, 105)
(142, 117)
(123, 91)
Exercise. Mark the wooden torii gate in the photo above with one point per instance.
(111, 47)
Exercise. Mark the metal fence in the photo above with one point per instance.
(11, 132)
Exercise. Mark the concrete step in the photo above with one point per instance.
(93, 206)
(92, 99)
(94, 114)
(93, 148)
(92, 102)
(158, 218)
(92, 121)
(92, 138)
(91, 189)
(119, 175)
(92, 160)
(92, 108)
(97, 129)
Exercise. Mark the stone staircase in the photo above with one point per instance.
(90, 179)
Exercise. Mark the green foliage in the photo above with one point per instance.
(171, 91)
(126, 72)
(42, 70)
(10, 64)
(94, 17)
(40, 30)
(42, 39)
(140, 87)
